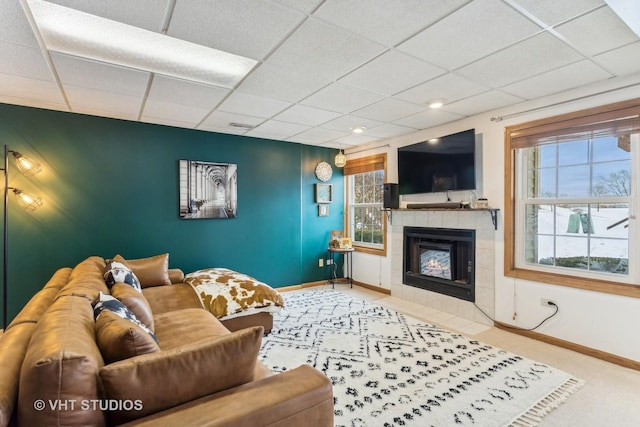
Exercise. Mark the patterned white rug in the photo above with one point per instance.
(389, 369)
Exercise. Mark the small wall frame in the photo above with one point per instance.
(324, 193)
(323, 210)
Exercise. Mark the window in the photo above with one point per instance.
(366, 222)
(570, 186)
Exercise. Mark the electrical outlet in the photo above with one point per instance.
(320, 262)
(545, 302)
(329, 261)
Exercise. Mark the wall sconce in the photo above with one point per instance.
(28, 167)
(340, 159)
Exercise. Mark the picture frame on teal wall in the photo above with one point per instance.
(323, 210)
(324, 193)
(207, 189)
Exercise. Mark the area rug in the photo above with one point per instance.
(389, 369)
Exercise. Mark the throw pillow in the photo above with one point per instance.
(117, 272)
(152, 271)
(109, 303)
(120, 339)
(136, 302)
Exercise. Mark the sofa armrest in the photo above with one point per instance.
(300, 397)
(176, 275)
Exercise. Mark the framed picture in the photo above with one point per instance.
(324, 193)
(346, 243)
(323, 210)
(207, 189)
(335, 235)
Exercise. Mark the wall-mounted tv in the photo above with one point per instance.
(438, 165)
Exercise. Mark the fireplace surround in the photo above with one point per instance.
(440, 260)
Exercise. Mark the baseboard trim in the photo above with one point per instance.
(598, 354)
(373, 288)
(301, 286)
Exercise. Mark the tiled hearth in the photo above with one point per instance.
(485, 261)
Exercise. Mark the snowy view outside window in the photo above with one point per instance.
(366, 217)
(575, 204)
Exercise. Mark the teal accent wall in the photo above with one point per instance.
(111, 186)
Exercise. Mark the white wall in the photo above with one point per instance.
(608, 323)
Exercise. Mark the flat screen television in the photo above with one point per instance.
(438, 165)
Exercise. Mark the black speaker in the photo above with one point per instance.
(390, 199)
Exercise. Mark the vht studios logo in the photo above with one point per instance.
(88, 405)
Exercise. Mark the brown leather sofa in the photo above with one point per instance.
(53, 370)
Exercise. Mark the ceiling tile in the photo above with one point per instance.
(388, 110)
(449, 87)
(244, 27)
(574, 75)
(304, 115)
(221, 119)
(277, 82)
(172, 111)
(535, 55)
(23, 61)
(597, 32)
(388, 130)
(33, 89)
(26, 102)
(388, 21)
(360, 139)
(277, 129)
(428, 118)
(252, 105)
(320, 135)
(484, 102)
(341, 98)
(316, 48)
(82, 98)
(97, 75)
(552, 12)
(622, 61)
(306, 6)
(15, 27)
(347, 122)
(222, 129)
(147, 14)
(391, 72)
(481, 35)
(183, 92)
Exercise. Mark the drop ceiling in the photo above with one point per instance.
(323, 67)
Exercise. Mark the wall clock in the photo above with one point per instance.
(324, 171)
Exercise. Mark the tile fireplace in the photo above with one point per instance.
(440, 260)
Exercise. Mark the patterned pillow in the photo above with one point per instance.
(109, 303)
(117, 272)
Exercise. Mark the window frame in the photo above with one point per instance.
(535, 133)
(353, 167)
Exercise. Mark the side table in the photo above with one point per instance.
(346, 257)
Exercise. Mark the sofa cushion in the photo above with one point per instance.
(109, 303)
(61, 365)
(177, 328)
(118, 272)
(136, 302)
(210, 365)
(120, 339)
(152, 271)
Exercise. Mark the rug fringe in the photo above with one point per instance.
(533, 416)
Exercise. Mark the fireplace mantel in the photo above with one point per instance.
(492, 211)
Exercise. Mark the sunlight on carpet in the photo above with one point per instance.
(389, 369)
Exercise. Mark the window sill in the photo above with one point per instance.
(371, 251)
(595, 285)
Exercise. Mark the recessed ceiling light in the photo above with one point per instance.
(435, 103)
(433, 141)
(88, 36)
(358, 129)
